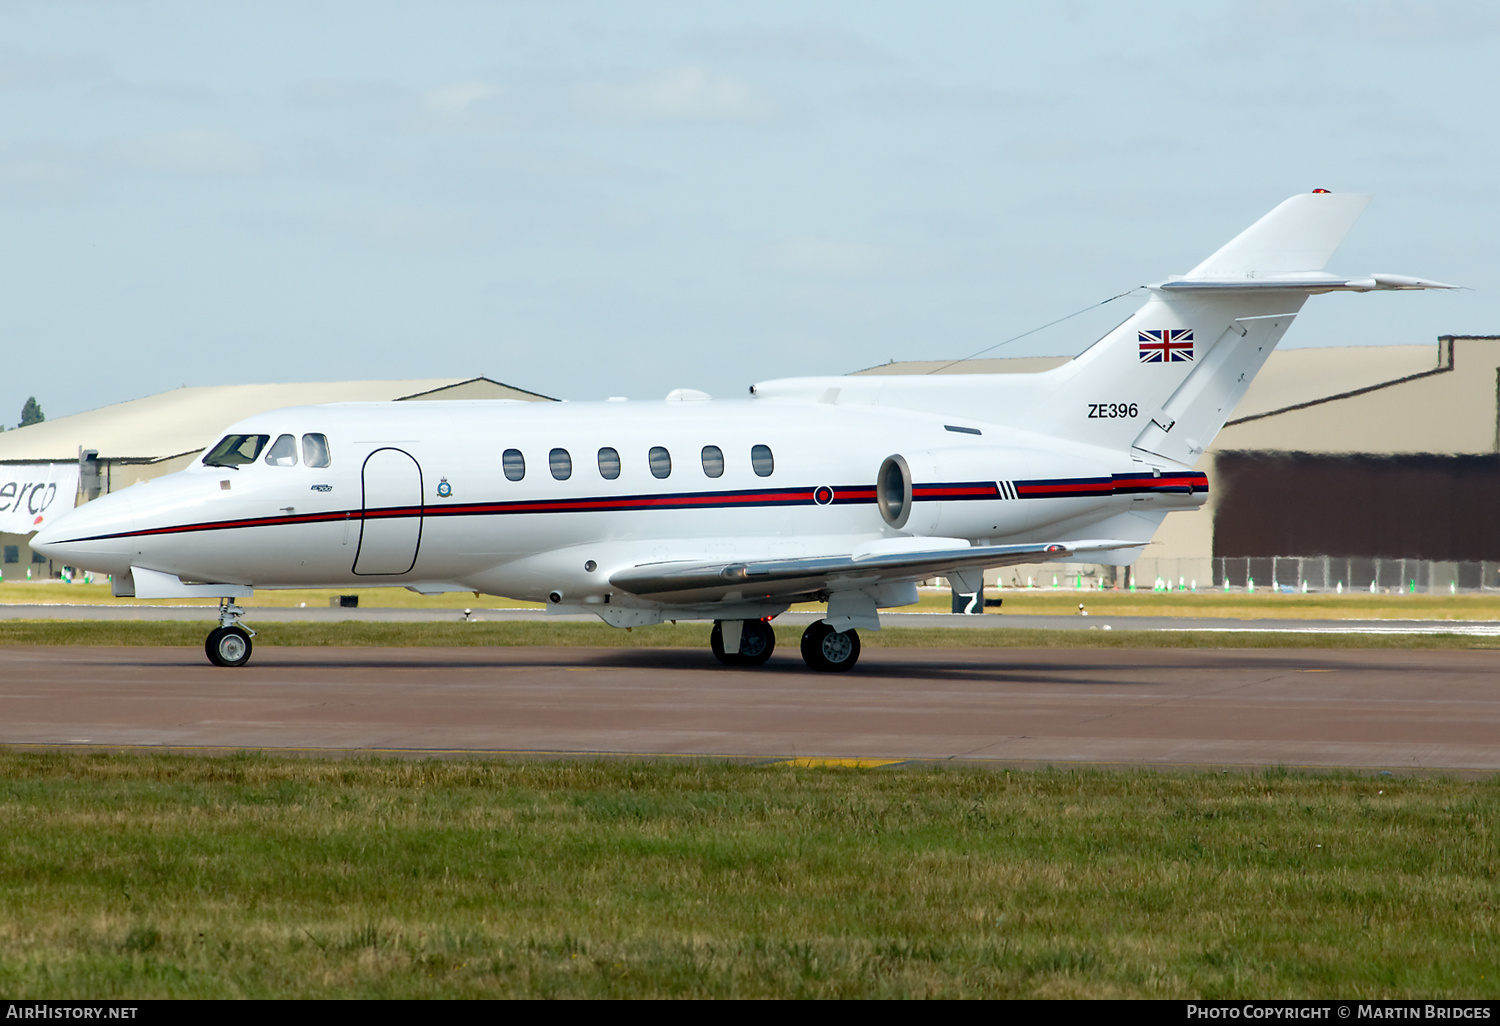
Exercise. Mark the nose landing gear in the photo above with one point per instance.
(229, 643)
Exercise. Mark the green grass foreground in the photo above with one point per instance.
(684, 635)
(249, 876)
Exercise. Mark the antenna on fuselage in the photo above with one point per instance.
(1033, 331)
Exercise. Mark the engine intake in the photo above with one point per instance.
(893, 491)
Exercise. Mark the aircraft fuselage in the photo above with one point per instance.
(418, 494)
(844, 491)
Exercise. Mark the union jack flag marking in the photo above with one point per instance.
(1166, 345)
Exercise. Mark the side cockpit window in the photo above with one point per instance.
(283, 453)
(236, 450)
(315, 450)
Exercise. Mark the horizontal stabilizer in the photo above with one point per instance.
(1308, 283)
(807, 576)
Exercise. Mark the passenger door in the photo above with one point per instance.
(391, 529)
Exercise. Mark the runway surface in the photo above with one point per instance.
(1379, 710)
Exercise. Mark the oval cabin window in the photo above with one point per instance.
(609, 463)
(514, 464)
(713, 461)
(761, 460)
(661, 462)
(560, 463)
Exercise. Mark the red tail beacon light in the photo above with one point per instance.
(1317, 191)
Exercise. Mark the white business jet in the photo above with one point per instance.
(844, 490)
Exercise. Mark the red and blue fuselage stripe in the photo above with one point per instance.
(954, 491)
(1189, 482)
(1116, 484)
(752, 498)
(959, 491)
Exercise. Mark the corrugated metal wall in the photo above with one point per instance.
(1417, 507)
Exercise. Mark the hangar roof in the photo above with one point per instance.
(1448, 406)
(186, 420)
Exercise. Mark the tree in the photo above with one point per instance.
(31, 413)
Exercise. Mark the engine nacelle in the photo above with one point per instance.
(962, 492)
(992, 492)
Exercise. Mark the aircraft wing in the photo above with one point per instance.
(787, 578)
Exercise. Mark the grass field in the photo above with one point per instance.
(1034, 602)
(248, 876)
(684, 635)
(138, 876)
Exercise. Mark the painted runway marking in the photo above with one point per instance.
(1486, 630)
(812, 763)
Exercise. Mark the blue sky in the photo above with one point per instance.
(592, 199)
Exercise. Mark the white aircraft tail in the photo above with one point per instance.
(1299, 235)
(1163, 383)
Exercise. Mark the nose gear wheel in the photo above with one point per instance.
(229, 644)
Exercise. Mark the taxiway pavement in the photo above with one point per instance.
(1380, 710)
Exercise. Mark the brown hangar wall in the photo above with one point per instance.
(1419, 507)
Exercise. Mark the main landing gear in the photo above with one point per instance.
(229, 644)
(831, 651)
(757, 642)
(823, 648)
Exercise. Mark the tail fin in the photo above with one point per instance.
(1299, 235)
(1163, 383)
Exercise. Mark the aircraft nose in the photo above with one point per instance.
(52, 540)
(87, 537)
(46, 541)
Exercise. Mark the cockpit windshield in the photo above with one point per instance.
(236, 450)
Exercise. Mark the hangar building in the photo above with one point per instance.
(1341, 466)
(116, 446)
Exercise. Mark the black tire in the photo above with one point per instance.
(757, 642)
(228, 646)
(829, 651)
(716, 643)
